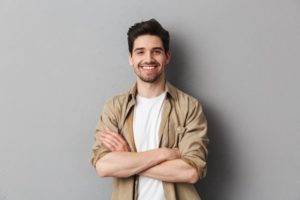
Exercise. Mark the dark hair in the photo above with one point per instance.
(150, 27)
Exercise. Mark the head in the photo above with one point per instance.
(148, 44)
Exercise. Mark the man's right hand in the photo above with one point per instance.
(114, 141)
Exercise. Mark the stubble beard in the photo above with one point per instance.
(149, 79)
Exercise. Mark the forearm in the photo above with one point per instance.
(125, 164)
(172, 171)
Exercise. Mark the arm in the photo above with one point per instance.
(193, 148)
(111, 156)
(193, 140)
(125, 164)
(172, 171)
(175, 170)
(107, 121)
(189, 168)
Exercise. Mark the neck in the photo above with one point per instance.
(150, 90)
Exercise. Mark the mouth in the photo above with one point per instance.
(148, 67)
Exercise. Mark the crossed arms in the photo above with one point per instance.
(112, 158)
(163, 163)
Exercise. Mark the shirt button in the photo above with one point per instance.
(179, 129)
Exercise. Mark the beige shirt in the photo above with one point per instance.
(183, 125)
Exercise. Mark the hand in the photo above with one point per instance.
(114, 141)
(175, 153)
(171, 154)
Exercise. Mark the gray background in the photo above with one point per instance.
(61, 60)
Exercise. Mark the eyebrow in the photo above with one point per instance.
(158, 48)
(142, 48)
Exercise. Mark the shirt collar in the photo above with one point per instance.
(169, 88)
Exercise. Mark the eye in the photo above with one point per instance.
(157, 51)
(139, 52)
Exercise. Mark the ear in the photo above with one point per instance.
(130, 59)
(168, 57)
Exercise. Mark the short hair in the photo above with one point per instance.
(150, 27)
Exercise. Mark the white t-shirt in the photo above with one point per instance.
(146, 122)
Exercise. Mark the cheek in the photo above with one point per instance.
(138, 62)
(163, 61)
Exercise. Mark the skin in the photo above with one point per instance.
(163, 163)
(148, 59)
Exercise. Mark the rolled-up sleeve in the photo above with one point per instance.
(194, 139)
(106, 122)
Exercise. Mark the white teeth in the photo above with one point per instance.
(144, 67)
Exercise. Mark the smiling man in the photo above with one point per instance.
(151, 139)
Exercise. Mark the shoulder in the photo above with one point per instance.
(117, 99)
(187, 105)
(184, 99)
(116, 102)
(189, 108)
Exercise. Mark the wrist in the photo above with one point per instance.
(164, 153)
(169, 154)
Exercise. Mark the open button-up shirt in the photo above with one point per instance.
(183, 126)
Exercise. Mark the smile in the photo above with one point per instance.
(148, 67)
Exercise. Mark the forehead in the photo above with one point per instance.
(147, 41)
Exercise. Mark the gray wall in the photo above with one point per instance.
(60, 61)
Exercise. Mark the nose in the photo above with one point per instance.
(148, 57)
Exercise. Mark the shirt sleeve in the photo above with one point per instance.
(193, 139)
(106, 122)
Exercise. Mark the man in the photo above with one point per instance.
(152, 139)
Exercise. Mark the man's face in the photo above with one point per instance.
(148, 58)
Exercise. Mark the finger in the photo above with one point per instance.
(106, 133)
(118, 137)
(114, 146)
(115, 135)
(109, 144)
(121, 143)
(103, 135)
(111, 141)
(114, 141)
(127, 148)
(107, 136)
